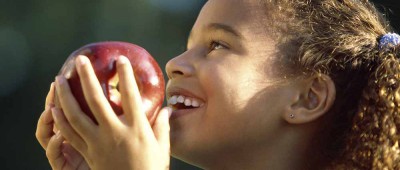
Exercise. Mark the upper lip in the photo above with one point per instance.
(174, 90)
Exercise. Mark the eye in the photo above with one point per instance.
(216, 45)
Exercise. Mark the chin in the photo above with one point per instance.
(187, 158)
(184, 149)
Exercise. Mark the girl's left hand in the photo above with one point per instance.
(129, 143)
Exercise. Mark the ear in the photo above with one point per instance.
(314, 97)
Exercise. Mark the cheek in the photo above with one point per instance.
(242, 111)
(230, 87)
(238, 110)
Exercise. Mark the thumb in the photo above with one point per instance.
(161, 127)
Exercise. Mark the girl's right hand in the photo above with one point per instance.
(61, 155)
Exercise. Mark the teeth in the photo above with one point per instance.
(172, 100)
(185, 100)
(181, 99)
(195, 103)
(188, 102)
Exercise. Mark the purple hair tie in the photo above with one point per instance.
(389, 40)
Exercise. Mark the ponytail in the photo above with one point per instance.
(373, 141)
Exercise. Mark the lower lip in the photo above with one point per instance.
(181, 112)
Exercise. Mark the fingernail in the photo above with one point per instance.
(60, 80)
(122, 60)
(82, 60)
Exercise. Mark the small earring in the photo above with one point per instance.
(291, 116)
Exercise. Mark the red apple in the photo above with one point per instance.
(103, 56)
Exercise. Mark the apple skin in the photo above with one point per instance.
(103, 56)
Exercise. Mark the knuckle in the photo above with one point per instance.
(42, 143)
(41, 139)
(49, 153)
(38, 135)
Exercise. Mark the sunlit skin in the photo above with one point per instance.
(129, 139)
(252, 117)
(234, 75)
(230, 64)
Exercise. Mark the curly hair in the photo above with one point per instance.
(340, 38)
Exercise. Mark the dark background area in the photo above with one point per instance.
(36, 36)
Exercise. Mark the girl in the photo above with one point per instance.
(267, 84)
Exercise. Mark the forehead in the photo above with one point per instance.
(243, 15)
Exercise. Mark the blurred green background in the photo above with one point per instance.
(36, 36)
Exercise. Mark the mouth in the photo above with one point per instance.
(184, 101)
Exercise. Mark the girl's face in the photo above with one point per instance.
(229, 75)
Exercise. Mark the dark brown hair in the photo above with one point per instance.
(340, 38)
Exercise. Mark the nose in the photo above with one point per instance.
(179, 66)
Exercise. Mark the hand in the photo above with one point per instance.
(59, 153)
(131, 143)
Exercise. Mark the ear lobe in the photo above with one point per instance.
(316, 97)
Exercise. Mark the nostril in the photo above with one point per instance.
(177, 72)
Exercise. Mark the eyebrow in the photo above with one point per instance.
(220, 27)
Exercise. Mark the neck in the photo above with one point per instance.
(292, 149)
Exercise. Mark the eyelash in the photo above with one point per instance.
(216, 45)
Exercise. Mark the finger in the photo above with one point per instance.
(73, 113)
(72, 156)
(130, 95)
(54, 153)
(44, 130)
(50, 97)
(67, 131)
(161, 127)
(93, 92)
